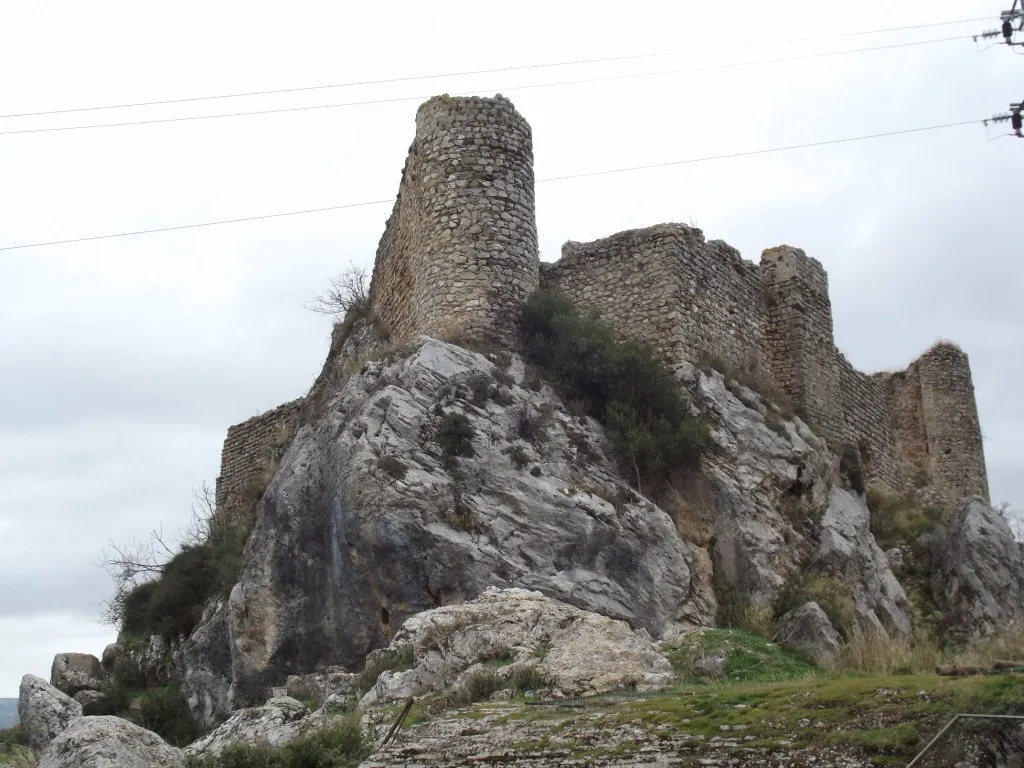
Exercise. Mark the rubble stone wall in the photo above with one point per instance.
(459, 251)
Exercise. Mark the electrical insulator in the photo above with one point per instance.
(1007, 30)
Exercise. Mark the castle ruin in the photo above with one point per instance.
(459, 257)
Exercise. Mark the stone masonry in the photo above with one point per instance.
(458, 257)
(250, 452)
(459, 251)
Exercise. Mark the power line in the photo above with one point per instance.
(539, 181)
(410, 78)
(491, 90)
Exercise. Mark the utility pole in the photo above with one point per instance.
(1011, 28)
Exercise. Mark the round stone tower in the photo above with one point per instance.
(459, 255)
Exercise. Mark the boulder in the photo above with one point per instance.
(847, 551)
(708, 666)
(109, 742)
(44, 711)
(372, 517)
(524, 635)
(808, 629)
(111, 653)
(275, 723)
(74, 672)
(86, 697)
(977, 570)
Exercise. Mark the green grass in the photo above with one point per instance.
(749, 658)
(889, 719)
(340, 745)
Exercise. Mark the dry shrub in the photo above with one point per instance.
(1007, 644)
(879, 653)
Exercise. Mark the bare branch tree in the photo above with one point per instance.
(349, 291)
(133, 564)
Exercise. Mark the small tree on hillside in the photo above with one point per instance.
(347, 292)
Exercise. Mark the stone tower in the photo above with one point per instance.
(459, 252)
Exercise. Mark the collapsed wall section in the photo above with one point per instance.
(459, 252)
(250, 452)
(665, 285)
(843, 404)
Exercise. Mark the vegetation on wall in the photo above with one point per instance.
(624, 385)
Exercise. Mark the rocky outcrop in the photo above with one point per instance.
(774, 507)
(420, 485)
(109, 742)
(977, 570)
(808, 629)
(74, 672)
(516, 631)
(44, 711)
(759, 490)
(202, 666)
(275, 723)
(847, 552)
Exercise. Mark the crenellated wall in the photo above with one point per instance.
(458, 258)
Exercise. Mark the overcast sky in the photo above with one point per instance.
(124, 361)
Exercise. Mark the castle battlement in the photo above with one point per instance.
(459, 255)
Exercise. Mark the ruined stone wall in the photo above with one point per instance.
(459, 252)
(688, 298)
(693, 299)
(250, 450)
(954, 458)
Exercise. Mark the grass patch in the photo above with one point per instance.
(340, 745)
(749, 658)
(898, 519)
(831, 594)
(518, 455)
(624, 385)
(736, 613)
(455, 435)
(393, 466)
(385, 660)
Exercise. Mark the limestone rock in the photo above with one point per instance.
(709, 666)
(977, 570)
(763, 467)
(154, 661)
(848, 552)
(368, 521)
(87, 697)
(74, 672)
(44, 711)
(575, 652)
(332, 685)
(275, 723)
(808, 629)
(111, 653)
(109, 742)
(771, 495)
(202, 665)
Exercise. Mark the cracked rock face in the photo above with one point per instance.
(74, 672)
(276, 723)
(774, 507)
(109, 742)
(574, 652)
(368, 521)
(44, 711)
(977, 570)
